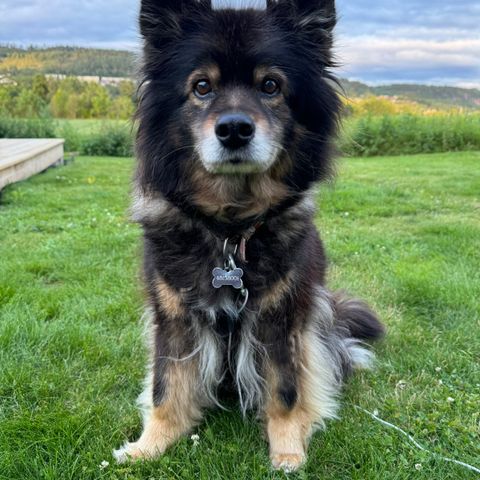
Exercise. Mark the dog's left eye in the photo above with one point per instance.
(202, 88)
(270, 86)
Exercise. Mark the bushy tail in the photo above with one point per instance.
(357, 318)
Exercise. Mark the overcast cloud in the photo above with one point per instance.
(378, 41)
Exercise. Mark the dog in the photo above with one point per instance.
(237, 116)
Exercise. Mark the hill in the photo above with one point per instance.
(117, 63)
(66, 61)
(429, 95)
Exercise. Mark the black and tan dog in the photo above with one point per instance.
(236, 120)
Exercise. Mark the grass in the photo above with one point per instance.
(88, 126)
(400, 231)
(96, 137)
(87, 137)
(368, 136)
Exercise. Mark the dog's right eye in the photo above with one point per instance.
(270, 87)
(202, 88)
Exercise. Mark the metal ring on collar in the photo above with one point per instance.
(225, 244)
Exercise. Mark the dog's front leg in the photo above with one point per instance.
(168, 418)
(301, 394)
(286, 422)
(179, 384)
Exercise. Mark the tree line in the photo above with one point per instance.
(40, 97)
(66, 60)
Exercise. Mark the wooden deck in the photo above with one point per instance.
(22, 158)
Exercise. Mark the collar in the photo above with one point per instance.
(240, 240)
(229, 229)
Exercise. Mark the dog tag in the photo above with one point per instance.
(227, 278)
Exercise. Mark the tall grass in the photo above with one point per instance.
(32, 128)
(111, 139)
(410, 134)
(362, 136)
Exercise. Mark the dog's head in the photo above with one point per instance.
(239, 92)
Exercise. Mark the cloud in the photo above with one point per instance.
(67, 22)
(378, 40)
(410, 41)
(239, 4)
(384, 60)
(377, 16)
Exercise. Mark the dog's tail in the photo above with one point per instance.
(357, 318)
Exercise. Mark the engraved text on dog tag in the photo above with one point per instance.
(224, 278)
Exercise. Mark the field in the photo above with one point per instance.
(87, 126)
(401, 232)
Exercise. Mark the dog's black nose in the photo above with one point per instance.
(235, 130)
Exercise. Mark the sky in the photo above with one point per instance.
(378, 41)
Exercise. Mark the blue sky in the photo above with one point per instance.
(378, 41)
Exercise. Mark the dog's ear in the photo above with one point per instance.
(308, 5)
(160, 18)
(309, 16)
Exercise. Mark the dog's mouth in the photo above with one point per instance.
(239, 162)
(236, 167)
(257, 157)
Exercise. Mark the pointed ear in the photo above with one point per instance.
(310, 15)
(160, 18)
(328, 6)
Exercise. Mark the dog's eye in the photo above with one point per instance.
(202, 88)
(270, 86)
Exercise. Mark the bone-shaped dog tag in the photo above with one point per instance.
(226, 278)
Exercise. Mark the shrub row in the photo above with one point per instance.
(35, 128)
(364, 136)
(109, 140)
(410, 134)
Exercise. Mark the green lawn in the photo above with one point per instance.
(402, 232)
(87, 126)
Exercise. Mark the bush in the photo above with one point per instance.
(410, 134)
(20, 128)
(109, 140)
(73, 139)
(113, 141)
(364, 136)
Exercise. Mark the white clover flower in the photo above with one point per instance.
(401, 384)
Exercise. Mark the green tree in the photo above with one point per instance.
(100, 101)
(40, 87)
(28, 104)
(126, 89)
(122, 108)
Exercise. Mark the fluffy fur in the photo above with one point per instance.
(288, 353)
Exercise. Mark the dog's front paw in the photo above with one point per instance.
(288, 462)
(132, 452)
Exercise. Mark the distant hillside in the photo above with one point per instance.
(433, 96)
(116, 63)
(66, 61)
